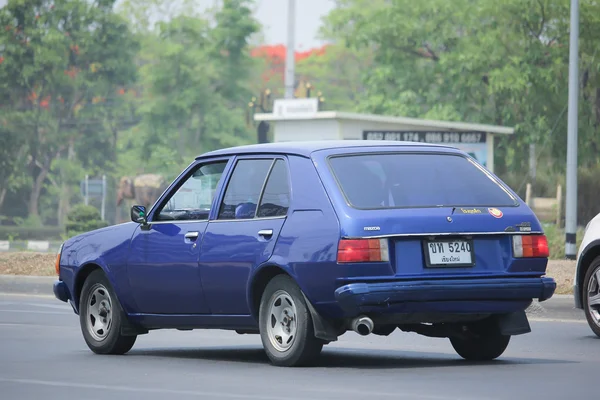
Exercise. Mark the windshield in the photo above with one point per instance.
(374, 181)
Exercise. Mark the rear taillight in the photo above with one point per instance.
(362, 250)
(528, 246)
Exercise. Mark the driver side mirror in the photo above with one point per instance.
(138, 214)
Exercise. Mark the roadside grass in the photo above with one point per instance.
(556, 240)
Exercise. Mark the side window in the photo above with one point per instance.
(193, 199)
(243, 190)
(276, 197)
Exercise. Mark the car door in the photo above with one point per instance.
(243, 233)
(162, 266)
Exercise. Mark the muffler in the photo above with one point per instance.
(362, 325)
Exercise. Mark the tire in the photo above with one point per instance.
(591, 288)
(485, 345)
(102, 338)
(286, 327)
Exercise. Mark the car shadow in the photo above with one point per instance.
(339, 357)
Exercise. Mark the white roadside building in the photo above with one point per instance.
(300, 119)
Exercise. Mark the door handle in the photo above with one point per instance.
(191, 235)
(265, 232)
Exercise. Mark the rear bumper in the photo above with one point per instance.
(355, 298)
(61, 291)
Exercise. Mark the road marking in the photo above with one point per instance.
(199, 393)
(35, 312)
(41, 296)
(41, 305)
(57, 306)
(34, 325)
(563, 320)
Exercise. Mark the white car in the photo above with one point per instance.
(586, 283)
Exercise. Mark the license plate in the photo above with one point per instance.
(449, 253)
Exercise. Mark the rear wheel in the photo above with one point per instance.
(591, 296)
(286, 327)
(101, 317)
(484, 342)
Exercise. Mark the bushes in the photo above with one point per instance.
(83, 219)
(588, 189)
(31, 233)
(556, 240)
(588, 194)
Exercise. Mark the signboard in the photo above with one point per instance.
(95, 187)
(473, 143)
(96, 190)
(290, 108)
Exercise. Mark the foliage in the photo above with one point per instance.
(63, 63)
(83, 218)
(556, 240)
(337, 72)
(31, 233)
(546, 182)
(194, 77)
(501, 62)
(84, 92)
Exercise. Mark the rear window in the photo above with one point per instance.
(373, 181)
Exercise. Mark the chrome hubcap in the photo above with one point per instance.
(282, 323)
(99, 313)
(593, 293)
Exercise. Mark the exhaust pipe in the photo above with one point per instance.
(362, 325)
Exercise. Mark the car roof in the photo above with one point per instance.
(306, 148)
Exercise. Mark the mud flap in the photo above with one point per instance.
(323, 329)
(513, 324)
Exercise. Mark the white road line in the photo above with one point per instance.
(563, 320)
(209, 394)
(17, 325)
(62, 306)
(41, 296)
(35, 312)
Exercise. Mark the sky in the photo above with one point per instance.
(272, 14)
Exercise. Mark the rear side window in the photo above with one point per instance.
(276, 197)
(243, 190)
(397, 180)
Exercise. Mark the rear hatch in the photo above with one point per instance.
(435, 214)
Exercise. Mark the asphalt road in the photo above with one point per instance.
(43, 356)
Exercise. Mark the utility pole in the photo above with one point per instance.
(103, 203)
(571, 204)
(289, 61)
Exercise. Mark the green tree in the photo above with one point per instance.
(493, 61)
(338, 73)
(195, 89)
(62, 65)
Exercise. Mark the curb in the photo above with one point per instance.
(23, 284)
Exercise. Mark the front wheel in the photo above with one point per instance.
(286, 327)
(101, 317)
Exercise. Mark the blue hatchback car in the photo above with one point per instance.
(302, 242)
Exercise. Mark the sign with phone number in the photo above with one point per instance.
(426, 136)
